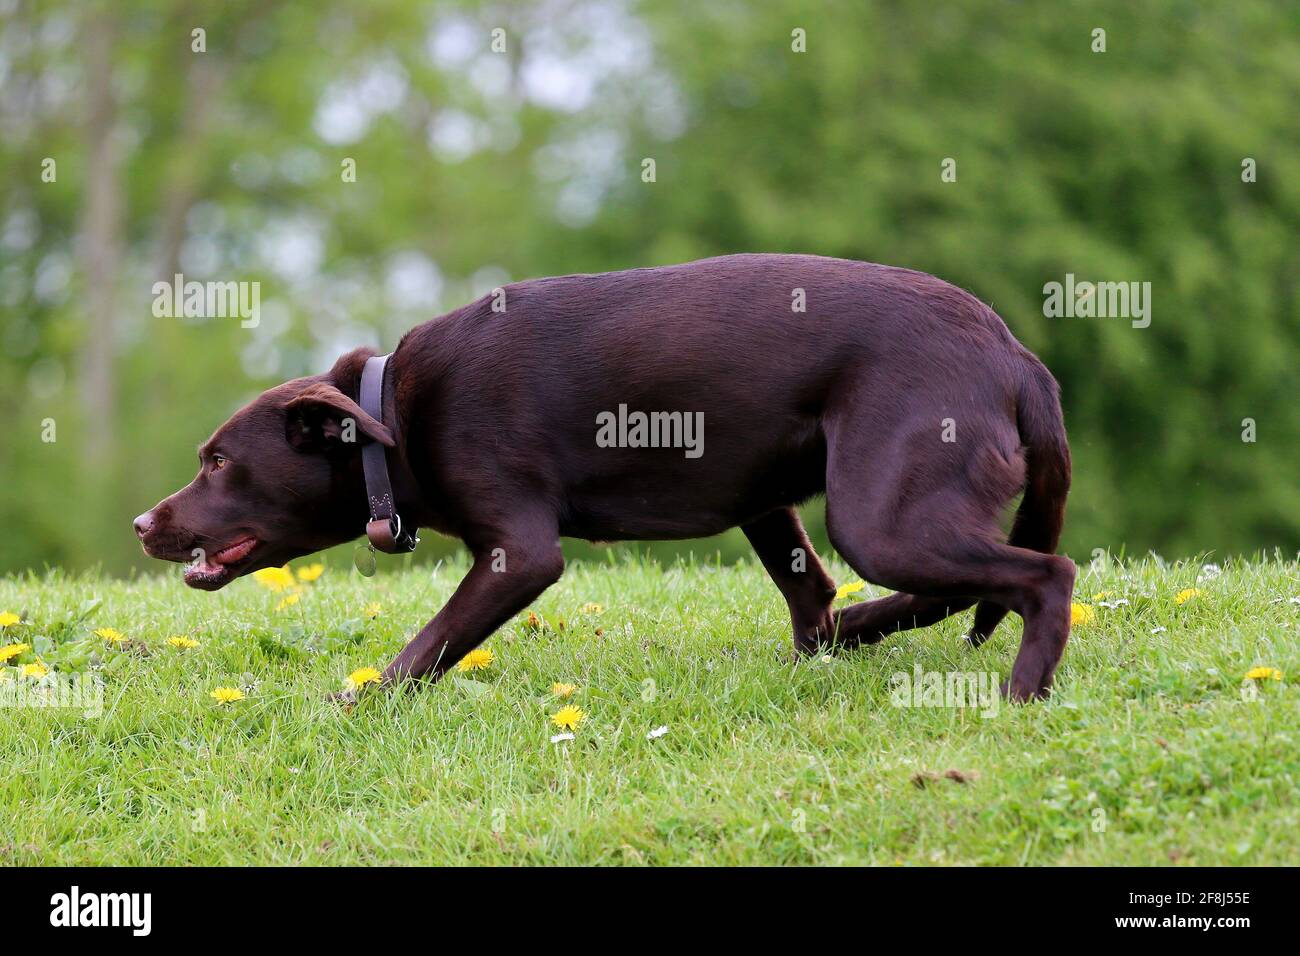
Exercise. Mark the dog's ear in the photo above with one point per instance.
(321, 418)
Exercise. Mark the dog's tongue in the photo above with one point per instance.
(214, 564)
(235, 552)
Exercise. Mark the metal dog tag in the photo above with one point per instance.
(363, 556)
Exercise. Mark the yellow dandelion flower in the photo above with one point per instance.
(184, 643)
(311, 572)
(9, 619)
(10, 651)
(1185, 595)
(37, 670)
(289, 601)
(568, 717)
(1101, 596)
(373, 609)
(274, 579)
(479, 659)
(563, 690)
(226, 695)
(1081, 614)
(591, 607)
(112, 635)
(1263, 673)
(363, 676)
(844, 590)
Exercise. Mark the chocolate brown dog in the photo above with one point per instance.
(670, 403)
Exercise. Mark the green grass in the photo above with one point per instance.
(1149, 753)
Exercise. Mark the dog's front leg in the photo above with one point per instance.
(508, 574)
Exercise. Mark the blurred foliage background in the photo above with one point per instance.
(475, 167)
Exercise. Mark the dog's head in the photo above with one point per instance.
(281, 479)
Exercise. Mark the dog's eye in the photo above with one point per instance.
(218, 462)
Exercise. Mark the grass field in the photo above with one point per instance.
(1154, 750)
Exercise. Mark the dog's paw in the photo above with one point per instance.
(1021, 694)
(347, 699)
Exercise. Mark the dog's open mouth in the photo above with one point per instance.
(215, 570)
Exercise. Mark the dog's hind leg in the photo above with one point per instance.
(925, 523)
(987, 617)
(787, 554)
(782, 545)
(870, 621)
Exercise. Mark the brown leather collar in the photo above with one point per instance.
(385, 529)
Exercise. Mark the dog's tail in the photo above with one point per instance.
(1041, 513)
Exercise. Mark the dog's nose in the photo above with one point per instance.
(143, 524)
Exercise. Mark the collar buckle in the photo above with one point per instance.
(386, 534)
